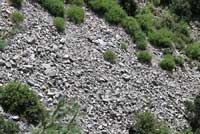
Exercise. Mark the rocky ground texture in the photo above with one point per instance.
(71, 64)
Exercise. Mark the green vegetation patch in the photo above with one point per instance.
(59, 23)
(168, 63)
(17, 17)
(144, 56)
(55, 7)
(2, 44)
(8, 127)
(193, 51)
(75, 14)
(110, 56)
(17, 98)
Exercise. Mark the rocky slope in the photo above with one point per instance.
(72, 64)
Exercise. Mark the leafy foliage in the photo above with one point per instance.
(17, 98)
(75, 14)
(53, 124)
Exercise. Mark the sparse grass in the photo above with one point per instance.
(110, 56)
(124, 46)
(59, 23)
(75, 14)
(144, 56)
(17, 17)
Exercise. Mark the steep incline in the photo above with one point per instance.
(72, 64)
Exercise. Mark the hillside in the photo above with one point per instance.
(72, 64)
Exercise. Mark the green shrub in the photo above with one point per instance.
(130, 6)
(53, 123)
(146, 21)
(110, 56)
(140, 40)
(193, 51)
(168, 63)
(161, 38)
(55, 7)
(102, 6)
(8, 127)
(144, 56)
(195, 6)
(59, 24)
(16, 3)
(115, 15)
(16, 98)
(146, 123)
(17, 17)
(179, 60)
(2, 44)
(130, 25)
(182, 28)
(76, 2)
(75, 14)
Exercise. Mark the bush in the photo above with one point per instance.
(130, 25)
(193, 51)
(8, 127)
(17, 17)
(161, 38)
(129, 6)
(16, 98)
(75, 14)
(182, 28)
(115, 15)
(195, 6)
(156, 2)
(102, 6)
(59, 23)
(146, 123)
(55, 7)
(168, 63)
(146, 21)
(144, 56)
(2, 44)
(167, 51)
(140, 40)
(76, 2)
(16, 3)
(110, 56)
